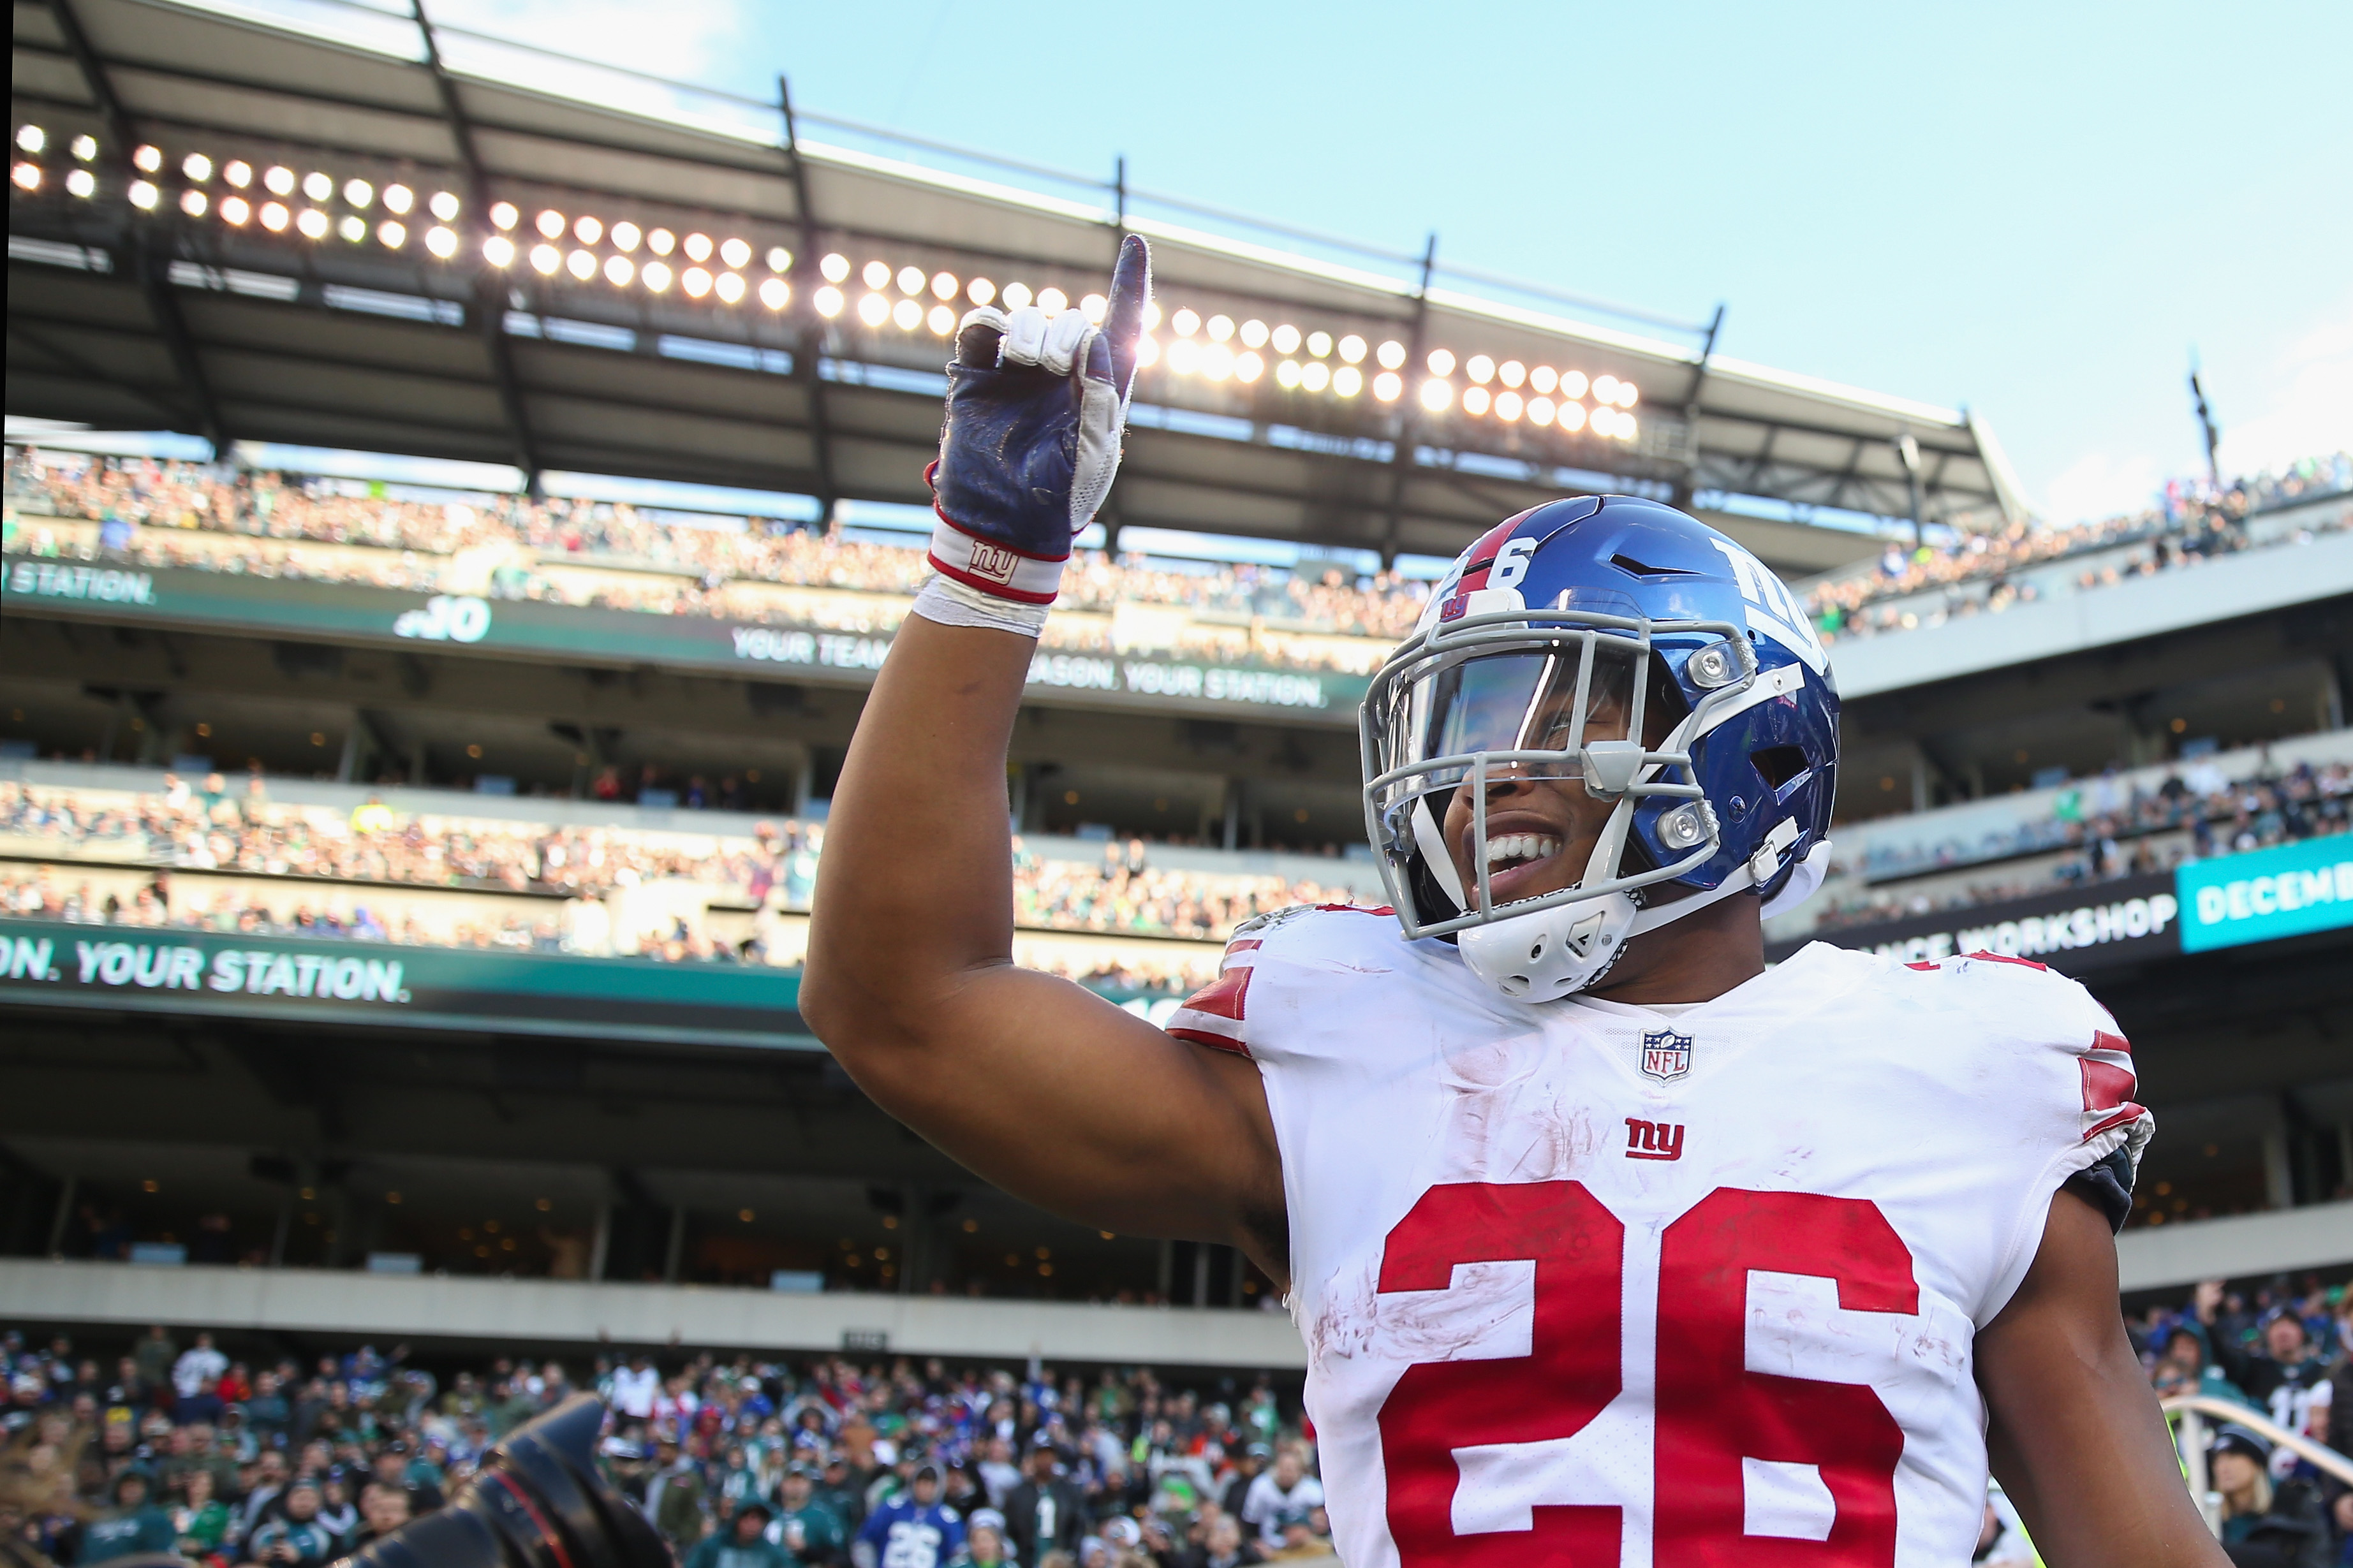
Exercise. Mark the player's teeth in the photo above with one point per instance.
(1514, 848)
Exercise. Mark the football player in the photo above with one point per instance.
(1609, 1244)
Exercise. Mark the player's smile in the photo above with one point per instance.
(1535, 842)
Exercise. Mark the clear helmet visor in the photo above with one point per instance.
(1530, 712)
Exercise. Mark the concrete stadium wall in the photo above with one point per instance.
(2317, 1237)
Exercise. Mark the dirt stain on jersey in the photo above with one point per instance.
(1508, 1118)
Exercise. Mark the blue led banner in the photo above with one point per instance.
(2266, 894)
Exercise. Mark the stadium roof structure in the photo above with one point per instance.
(383, 239)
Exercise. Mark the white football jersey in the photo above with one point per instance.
(1593, 1284)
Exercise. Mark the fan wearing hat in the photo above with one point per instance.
(806, 1524)
(1044, 1512)
(2263, 1525)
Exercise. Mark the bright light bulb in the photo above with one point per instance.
(1571, 417)
(873, 310)
(1320, 344)
(1628, 427)
(1352, 349)
(312, 224)
(1388, 387)
(441, 240)
(581, 265)
(318, 186)
(1480, 370)
(193, 203)
(1544, 378)
(943, 286)
(1185, 323)
(279, 180)
(85, 148)
(235, 210)
(834, 268)
(1391, 354)
(1184, 356)
(1572, 383)
(353, 228)
(358, 192)
(1286, 375)
(81, 182)
(1441, 362)
(399, 200)
(628, 236)
(942, 320)
(1052, 300)
(546, 259)
(980, 290)
(1221, 329)
(619, 270)
(1217, 361)
(697, 247)
(587, 230)
(1605, 388)
(1147, 350)
(1347, 381)
(147, 160)
(1152, 315)
(31, 138)
(1017, 294)
(655, 275)
(1474, 399)
(1540, 410)
(1254, 334)
(550, 224)
(27, 177)
(1315, 375)
(1285, 339)
(237, 173)
(779, 259)
(828, 300)
(1626, 395)
(503, 215)
(906, 315)
(144, 195)
(737, 253)
(444, 206)
(661, 242)
(875, 275)
(392, 235)
(1437, 395)
(499, 250)
(729, 287)
(1509, 405)
(911, 280)
(1092, 308)
(1247, 366)
(696, 281)
(196, 166)
(775, 293)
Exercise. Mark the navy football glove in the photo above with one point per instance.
(1036, 407)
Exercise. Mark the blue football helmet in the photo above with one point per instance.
(1549, 650)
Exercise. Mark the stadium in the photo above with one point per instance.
(452, 525)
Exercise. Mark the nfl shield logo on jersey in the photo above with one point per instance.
(1666, 1055)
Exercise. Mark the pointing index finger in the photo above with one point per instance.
(1131, 290)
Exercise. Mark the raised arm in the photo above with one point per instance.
(1037, 1084)
(2077, 1439)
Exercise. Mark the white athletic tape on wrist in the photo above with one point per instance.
(993, 568)
(952, 603)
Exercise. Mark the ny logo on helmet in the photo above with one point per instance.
(1666, 1055)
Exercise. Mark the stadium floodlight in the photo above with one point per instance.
(318, 186)
(1183, 357)
(237, 173)
(626, 236)
(1509, 405)
(1480, 370)
(235, 210)
(906, 315)
(1628, 395)
(197, 167)
(1092, 308)
(85, 148)
(661, 242)
(1571, 418)
(392, 234)
(1315, 375)
(1391, 356)
(696, 281)
(312, 224)
(941, 320)
(399, 200)
(1247, 366)
(31, 138)
(1476, 399)
(1441, 362)
(445, 205)
(1052, 300)
(1151, 315)
(911, 280)
(144, 195)
(834, 268)
(352, 228)
(943, 286)
(1217, 361)
(1147, 350)
(442, 241)
(1512, 373)
(503, 215)
(546, 259)
(1352, 349)
(1572, 383)
(656, 276)
(1286, 337)
(1286, 375)
(550, 224)
(26, 176)
(1437, 395)
(1320, 344)
(875, 275)
(980, 290)
(775, 293)
(1540, 410)
(194, 203)
(1388, 387)
(873, 310)
(587, 230)
(780, 260)
(1628, 427)
(1605, 388)
(1185, 323)
(1254, 334)
(735, 254)
(1544, 378)
(81, 183)
(499, 250)
(581, 264)
(1347, 381)
(279, 180)
(828, 300)
(619, 270)
(1017, 294)
(729, 287)
(147, 158)
(358, 192)
(1221, 329)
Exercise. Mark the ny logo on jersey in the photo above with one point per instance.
(1666, 1055)
(1653, 1140)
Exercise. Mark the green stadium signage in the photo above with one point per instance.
(284, 606)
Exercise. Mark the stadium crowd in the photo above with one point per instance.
(171, 1445)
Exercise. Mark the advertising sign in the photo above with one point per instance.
(2264, 894)
(2073, 930)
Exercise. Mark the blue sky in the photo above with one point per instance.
(2034, 211)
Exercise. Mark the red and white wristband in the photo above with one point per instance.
(982, 584)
